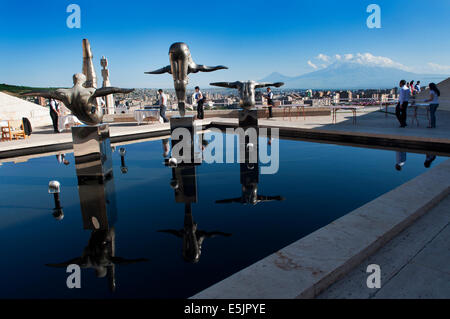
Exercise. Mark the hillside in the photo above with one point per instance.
(16, 90)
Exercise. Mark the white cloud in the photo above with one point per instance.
(323, 57)
(434, 67)
(323, 61)
(312, 65)
(348, 56)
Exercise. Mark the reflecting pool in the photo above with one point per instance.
(152, 231)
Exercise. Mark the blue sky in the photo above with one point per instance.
(253, 38)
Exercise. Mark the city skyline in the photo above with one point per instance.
(40, 50)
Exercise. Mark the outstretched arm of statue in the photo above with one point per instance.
(124, 261)
(262, 85)
(59, 94)
(204, 68)
(213, 234)
(166, 69)
(262, 198)
(231, 85)
(110, 90)
(229, 201)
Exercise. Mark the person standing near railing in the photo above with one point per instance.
(270, 101)
(417, 87)
(162, 105)
(402, 106)
(434, 103)
(199, 98)
(413, 88)
(54, 114)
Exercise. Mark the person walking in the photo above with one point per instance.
(163, 105)
(199, 98)
(54, 114)
(434, 103)
(270, 101)
(402, 106)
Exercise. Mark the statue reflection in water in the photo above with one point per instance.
(249, 145)
(99, 213)
(184, 184)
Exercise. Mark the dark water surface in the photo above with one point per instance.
(319, 182)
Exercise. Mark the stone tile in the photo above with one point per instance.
(402, 250)
(416, 282)
(436, 254)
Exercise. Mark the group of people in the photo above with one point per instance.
(407, 92)
(200, 99)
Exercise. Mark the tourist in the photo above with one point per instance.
(61, 158)
(163, 105)
(401, 160)
(54, 113)
(270, 101)
(412, 88)
(434, 103)
(429, 160)
(166, 147)
(402, 106)
(417, 87)
(102, 105)
(200, 102)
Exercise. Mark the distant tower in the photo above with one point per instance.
(88, 65)
(105, 74)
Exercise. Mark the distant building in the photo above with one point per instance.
(346, 96)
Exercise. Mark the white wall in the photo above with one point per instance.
(13, 108)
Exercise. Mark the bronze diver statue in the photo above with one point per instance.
(80, 100)
(181, 65)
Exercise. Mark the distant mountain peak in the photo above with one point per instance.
(351, 75)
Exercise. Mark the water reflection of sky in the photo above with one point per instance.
(320, 183)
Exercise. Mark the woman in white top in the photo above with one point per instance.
(434, 104)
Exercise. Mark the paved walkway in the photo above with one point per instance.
(415, 264)
(370, 121)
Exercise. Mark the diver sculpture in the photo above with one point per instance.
(193, 237)
(181, 65)
(246, 90)
(99, 255)
(80, 100)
